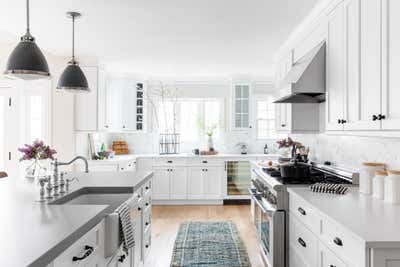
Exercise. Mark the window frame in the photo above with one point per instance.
(257, 99)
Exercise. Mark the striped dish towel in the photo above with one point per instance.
(126, 230)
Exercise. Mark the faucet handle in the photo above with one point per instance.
(68, 182)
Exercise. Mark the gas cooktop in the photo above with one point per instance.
(318, 174)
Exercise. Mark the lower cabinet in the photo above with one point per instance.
(161, 184)
(178, 180)
(326, 258)
(213, 183)
(121, 259)
(196, 183)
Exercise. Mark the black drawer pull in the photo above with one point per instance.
(301, 242)
(169, 161)
(87, 253)
(122, 258)
(338, 241)
(302, 212)
(332, 265)
(147, 223)
(205, 161)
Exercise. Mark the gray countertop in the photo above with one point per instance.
(374, 221)
(34, 233)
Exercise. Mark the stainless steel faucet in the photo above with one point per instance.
(56, 163)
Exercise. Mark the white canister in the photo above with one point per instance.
(392, 187)
(367, 173)
(378, 184)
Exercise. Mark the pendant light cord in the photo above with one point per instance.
(27, 16)
(73, 39)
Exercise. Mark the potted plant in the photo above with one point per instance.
(37, 153)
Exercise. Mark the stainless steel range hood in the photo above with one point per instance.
(306, 78)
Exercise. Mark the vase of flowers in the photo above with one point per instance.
(38, 153)
(210, 130)
(286, 147)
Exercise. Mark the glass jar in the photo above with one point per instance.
(367, 173)
(378, 183)
(392, 187)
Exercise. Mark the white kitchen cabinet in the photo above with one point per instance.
(390, 65)
(213, 183)
(335, 55)
(120, 259)
(385, 257)
(161, 184)
(86, 104)
(326, 258)
(178, 178)
(241, 106)
(196, 183)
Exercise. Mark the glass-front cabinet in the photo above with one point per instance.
(241, 109)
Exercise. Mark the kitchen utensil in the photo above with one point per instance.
(295, 170)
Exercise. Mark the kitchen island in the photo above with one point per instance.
(35, 233)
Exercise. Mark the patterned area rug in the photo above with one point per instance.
(209, 244)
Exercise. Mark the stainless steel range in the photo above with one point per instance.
(270, 205)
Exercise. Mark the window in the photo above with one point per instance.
(192, 117)
(265, 119)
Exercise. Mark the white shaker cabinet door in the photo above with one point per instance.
(213, 183)
(326, 258)
(370, 65)
(391, 65)
(196, 183)
(128, 113)
(161, 184)
(178, 183)
(86, 103)
(335, 70)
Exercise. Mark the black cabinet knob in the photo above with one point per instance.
(147, 188)
(147, 246)
(147, 203)
(301, 242)
(343, 121)
(302, 212)
(338, 241)
(381, 117)
(139, 208)
(339, 121)
(283, 125)
(374, 117)
(147, 223)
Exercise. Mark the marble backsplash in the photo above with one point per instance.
(351, 151)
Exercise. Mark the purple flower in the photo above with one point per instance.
(38, 150)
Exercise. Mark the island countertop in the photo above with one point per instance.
(372, 220)
(34, 233)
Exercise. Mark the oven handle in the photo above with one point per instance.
(265, 207)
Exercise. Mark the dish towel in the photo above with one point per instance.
(126, 229)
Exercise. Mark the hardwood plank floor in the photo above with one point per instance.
(166, 221)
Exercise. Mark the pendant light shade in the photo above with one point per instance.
(73, 79)
(26, 61)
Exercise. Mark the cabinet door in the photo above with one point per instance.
(196, 183)
(113, 94)
(370, 64)
(128, 107)
(335, 70)
(241, 106)
(326, 258)
(86, 103)
(213, 183)
(391, 65)
(178, 183)
(161, 184)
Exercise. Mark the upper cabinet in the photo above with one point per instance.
(335, 70)
(113, 104)
(390, 65)
(86, 104)
(241, 106)
(362, 59)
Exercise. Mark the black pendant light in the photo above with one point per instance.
(73, 79)
(26, 61)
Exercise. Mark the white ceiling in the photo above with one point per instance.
(160, 37)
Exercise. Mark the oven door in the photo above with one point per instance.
(271, 232)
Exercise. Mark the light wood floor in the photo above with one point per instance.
(166, 221)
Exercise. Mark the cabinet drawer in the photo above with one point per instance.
(92, 241)
(146, 242)
(305, 213)
(342, 242)
(327, 258)
(303, 242)
(165, 162)
(206, 162)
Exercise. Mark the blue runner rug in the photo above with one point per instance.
(209, 244)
